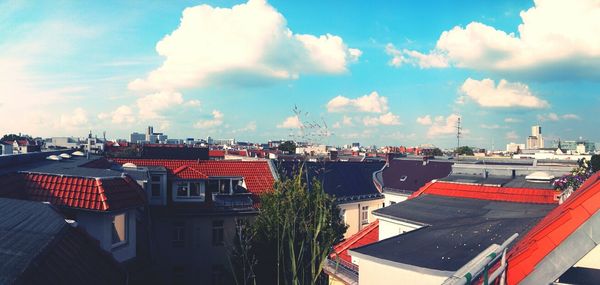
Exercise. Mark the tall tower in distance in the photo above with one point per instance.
(535, 140)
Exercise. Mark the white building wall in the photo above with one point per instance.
(389, 228)
(382, 273)
(393, 198)
(99, 226)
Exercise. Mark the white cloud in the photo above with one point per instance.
(444, 126)
(292, 122)
(151, 106)
(400, 57)
(347, 121)
(250, 127)
(511, 120)
(193, 103)
(122, 115)
(512, 136)
(553, 117)
(371, 103)
(557, 39)
(217, 120)
(387, 119)
(491, 127)
(247, 44)
(78, 119)
(506, 94)
(425, 120)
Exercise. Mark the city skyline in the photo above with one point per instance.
(379, 73)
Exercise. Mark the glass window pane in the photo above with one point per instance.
(212, 186)
(225, 186)
(182, 189)
(194, 189)
(155, 178)
(119, 231)
(155, 187)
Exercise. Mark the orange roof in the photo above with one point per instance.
(256, 174)
(365, 236)
(551, 231)
(483, 192)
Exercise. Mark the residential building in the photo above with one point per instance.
(514, 147)
(6, 148)
(195, 207)
(445, 225)
(351, 183)
(40, 247)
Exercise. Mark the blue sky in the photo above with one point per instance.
(377, 72)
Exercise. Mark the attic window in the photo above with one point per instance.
(403, 178)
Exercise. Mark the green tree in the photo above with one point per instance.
(288, 146)
(464, 150)
(595, 163)
(13, 137)
(294, 233)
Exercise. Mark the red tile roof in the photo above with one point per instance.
(365, 236)
(256, 174)
(482, 192)
(216, 153)
(100, 194)
(551, 231)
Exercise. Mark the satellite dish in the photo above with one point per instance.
(65, 155)
(78, 153)
(54, 157)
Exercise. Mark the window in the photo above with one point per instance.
(189, 190)
(217, 232)
(212, 186)
(178, 274)
(155, 185)
(198, 237)
(119, 229)
(178, 239)
(225, 186)
(364, 215)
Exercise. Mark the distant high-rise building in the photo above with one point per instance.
(136, 137)
(535, 140)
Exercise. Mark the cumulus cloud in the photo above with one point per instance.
(491, 127)
(506, 94)
(556, 39)
(444, 126)
(425, 120)
(387, 119)
(242, 45)
(511, 120)
(216, 120)
(415, 58)
(122, 115)
(74, 120)
(292, 122)
(371, 103)
(151, 106)
(553, 117)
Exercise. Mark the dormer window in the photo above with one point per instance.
(223, 185)
(185, 191)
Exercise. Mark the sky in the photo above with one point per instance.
(374, 72)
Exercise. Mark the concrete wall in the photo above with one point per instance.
(352, 214)
(196, 257)
(380, 273)
(392, 198)
(99, 226)
(389, 228)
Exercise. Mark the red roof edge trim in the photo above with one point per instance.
(365, 236)
(421, 190)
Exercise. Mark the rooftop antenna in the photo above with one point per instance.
(458, 134)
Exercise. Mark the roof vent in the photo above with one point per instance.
(54, 157)
(78, 153)
(540, 176)
(65, 155)
(129, 165)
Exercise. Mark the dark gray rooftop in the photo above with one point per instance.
(500, 181)
(455, 229)
(37, 246)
